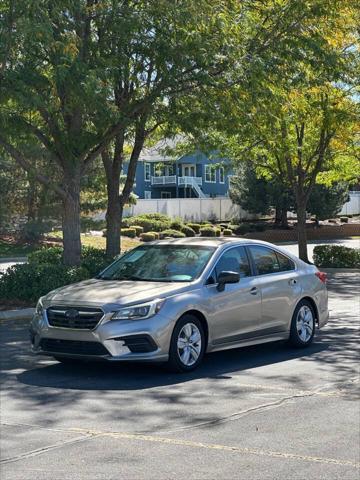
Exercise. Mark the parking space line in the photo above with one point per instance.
(89, 434)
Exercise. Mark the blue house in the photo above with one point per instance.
(190, 176)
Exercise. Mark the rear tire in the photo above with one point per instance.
(187, 346)
(302, 325)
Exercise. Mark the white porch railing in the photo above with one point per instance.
(164, 180)
(189, 181)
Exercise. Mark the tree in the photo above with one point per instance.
(301, 123)
(257, 194)
(326, 202)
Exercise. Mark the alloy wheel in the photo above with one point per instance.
(305, 323)
(189, 344)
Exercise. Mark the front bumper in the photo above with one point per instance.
(120, 341)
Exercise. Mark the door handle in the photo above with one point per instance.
(254, 291)
(292, 281)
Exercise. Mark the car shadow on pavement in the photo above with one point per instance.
(131, 376)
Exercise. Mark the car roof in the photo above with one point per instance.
(218, 242)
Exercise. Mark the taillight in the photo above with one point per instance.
(321, 276)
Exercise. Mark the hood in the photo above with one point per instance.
(98, 292)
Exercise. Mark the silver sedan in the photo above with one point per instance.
(174, 300)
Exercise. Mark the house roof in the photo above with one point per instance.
(157, 152)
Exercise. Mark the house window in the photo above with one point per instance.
(221, 175)
(165, 195)
(147, 194)
(147, 175)
(210, 174)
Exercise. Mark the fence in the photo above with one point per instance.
(191, 209)
(352, 207)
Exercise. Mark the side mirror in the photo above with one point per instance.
(227, 277)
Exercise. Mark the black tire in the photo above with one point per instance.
(175, 363)
(296, 334)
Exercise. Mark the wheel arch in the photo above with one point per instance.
(201, 317)
(313, 304)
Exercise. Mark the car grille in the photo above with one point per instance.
(54, 345)
(82, 318)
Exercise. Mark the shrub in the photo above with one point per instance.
(207, 232)
(147, 237)
(189, 232)
(149, 221)
(177, 224)
(87, 224)
(227, 232)
(242, 229)
(257, 227)
(45, 272)
(172, 233)
(128, 232)
(156, 235)
(233, 227)
(223, 226)
(34, 230)
(344, 219)
(336, 256)
(51, 255)
(217, 231)
(195, 226)
(139, 230)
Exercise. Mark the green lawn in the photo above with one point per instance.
(9, 249)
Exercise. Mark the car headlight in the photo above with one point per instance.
(139, 312)
(39, 307)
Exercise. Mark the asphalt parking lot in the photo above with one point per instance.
(265, 412)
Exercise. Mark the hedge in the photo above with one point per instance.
(336, 256)
(207, 232)
(149, 221)
(128, 232)
(139, 230)
(172, 233)
(45, 272)
(227, 232)
(195, 226)
(147, 237)
(188, 231)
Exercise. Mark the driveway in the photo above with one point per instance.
(265, 412)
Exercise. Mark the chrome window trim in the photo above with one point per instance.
(276, 251)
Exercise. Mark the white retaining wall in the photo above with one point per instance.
(190, 209)
(352, 207)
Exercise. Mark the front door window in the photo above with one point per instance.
(189, 171)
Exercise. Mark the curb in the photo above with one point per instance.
(23, 314)
(339, 270)
(13, 259)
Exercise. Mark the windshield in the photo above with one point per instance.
(160, 263)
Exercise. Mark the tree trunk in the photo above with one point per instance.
(277, 216)
(301, 227)
(284, 218)
(113, 217)
(71, 222)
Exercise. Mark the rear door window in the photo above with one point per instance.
(265, 260)
(285, 263)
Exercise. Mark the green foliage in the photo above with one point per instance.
(336, 256)
(147, 237)
(217, 231)
(189, 232)
(128, 232)
(87, 224)
(45, 272)
(172, 233)
(227, 232)
(139, 230)
(149, 221)
(327, 201)
(34, 230)
(156, 235)
(344, 219)
(207, 232)
(242, 229)
(177, 224)
(194, 226)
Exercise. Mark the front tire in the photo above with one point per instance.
(187, 346)
(302, 325)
